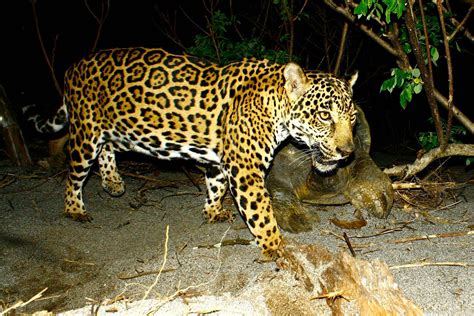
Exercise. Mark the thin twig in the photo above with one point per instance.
(425, 264)
(342, 45)
(228, 242)
(43, 49)
(447, 51)
(165, 256)
(23, 304)
(192, 287)
(348, 242)
(179, 194)
(461, 25)
(432, 236)
(128, 277)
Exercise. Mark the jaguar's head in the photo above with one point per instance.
(322, 114)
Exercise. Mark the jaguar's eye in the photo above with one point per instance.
(324, 116)
(353, 117)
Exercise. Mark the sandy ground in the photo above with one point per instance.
(118, 256)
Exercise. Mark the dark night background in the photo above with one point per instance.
(69, 30)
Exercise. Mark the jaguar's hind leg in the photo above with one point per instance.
(82, 156)
(217, 184)
(112, 182)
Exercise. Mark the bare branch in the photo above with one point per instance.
(348, 15)
(342, 46)
(450, 71)
(427, 79)
(407, 171)
(460, 26)
(104, 13)
(43, 49)
(463, 119)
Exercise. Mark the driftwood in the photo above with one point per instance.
(349, 286)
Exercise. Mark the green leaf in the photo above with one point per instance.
(417, 89)
(415, 72)
(434, 55)
(362, 8)
(405, 97)
(400, 8)
(388, 84)
(387, 16)
(469, 160)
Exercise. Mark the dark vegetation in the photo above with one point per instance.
(400, 73)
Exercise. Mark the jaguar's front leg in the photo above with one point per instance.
(253, 200)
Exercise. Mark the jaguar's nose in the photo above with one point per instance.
(345, 149)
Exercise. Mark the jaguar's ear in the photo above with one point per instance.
(295, 81)
(351, 79)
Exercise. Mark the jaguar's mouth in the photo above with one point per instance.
(320, 162)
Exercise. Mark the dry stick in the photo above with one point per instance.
(179, 194)
(348, 242)
(424, 264)
(432, 236)
(128, 277)
(21, 304)
(228, 242)
(411, 185)
(6, 181)
(180, 292)
(141, 177)
(165, 256)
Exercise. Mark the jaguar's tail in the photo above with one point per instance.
(49, 125)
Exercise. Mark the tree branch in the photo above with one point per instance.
(396, 50)
(348, 15)
(463, 119)
(460, 26)
(450, 71)
(427, 80)
(104, 13)
(342, 46)
(407, 171)
(46, 57)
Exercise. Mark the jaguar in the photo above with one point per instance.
(229, 118)
(294, 185)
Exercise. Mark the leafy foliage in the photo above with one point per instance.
(434, 34)
(377, 8)
(429, 140)
(219, 47)
(408, 81)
